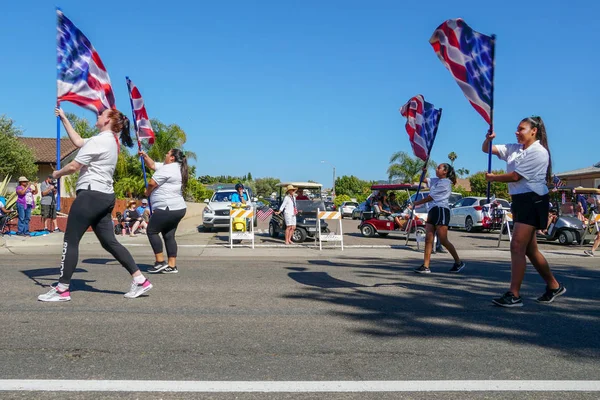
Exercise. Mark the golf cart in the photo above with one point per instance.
(564, 225)
(308, 200)
(374, 221)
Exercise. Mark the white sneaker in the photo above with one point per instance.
(55, 295)
(137, 290)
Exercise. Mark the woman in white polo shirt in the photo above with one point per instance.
(165, 190)
(438, 216)
(96, 161)
(529, 171)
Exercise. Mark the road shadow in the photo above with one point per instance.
(45, 277)
(444, 305)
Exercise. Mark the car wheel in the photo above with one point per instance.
(207, 229)
(367, 230)
(299, 235)
(565, 237)
(469, 224)
(272, 232)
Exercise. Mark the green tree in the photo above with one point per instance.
(81, 126)
(266, 186)
(167, 137)
(339, 199)
(462, 172)
(17, 158)
(479, 185)
(130, 187)
(249, 177)
(452, 156)
(197, 192)
(406, 168)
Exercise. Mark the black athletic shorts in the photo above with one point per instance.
(531, 209)
(438, 216)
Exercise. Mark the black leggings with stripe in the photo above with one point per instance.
(91, 208)
(165, 222)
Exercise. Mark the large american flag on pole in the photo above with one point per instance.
(142, 122)
(421, 125)
(468, 55)
(81, 76)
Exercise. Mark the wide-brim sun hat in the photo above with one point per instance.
(23, 179)
(290, 187)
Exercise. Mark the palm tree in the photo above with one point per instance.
(406, 168)
(452, 156)
(167, 137)
(462, 171)
(130, 186)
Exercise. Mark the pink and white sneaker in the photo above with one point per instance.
(55, 295)
(138, 289)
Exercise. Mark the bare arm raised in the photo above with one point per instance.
(73, 135)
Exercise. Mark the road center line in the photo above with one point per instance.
(297, 386)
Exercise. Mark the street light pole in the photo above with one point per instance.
(333, 186)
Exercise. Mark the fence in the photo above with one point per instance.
(67, 202)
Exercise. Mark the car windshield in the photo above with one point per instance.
(220, 197)
(454, 198)
(351, 204)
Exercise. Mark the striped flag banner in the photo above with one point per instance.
(264, 213)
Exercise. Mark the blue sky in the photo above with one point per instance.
(274, 87)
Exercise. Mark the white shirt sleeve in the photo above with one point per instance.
(284, 203)
(87, 152)
(505, 150)
(160, 175)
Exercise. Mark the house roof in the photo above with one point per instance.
(464, 183)
(594, 169)
(44, 149)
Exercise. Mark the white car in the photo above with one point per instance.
(471, 213)
(346, 208)
(422, 210)
(216, 212)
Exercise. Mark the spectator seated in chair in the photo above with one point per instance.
(134, 220)
(144, 210)
(4, 214)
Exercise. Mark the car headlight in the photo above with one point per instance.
(208, 210)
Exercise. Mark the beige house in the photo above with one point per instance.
(44, 152)
(588, 177)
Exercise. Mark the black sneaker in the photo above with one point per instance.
(550, 294)
(458, 267)
(508, 300)
(423, 270)
(170, 270)
(158, 267)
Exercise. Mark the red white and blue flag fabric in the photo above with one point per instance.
(142, 122)
(81, 77)
(421, 125)
(468, 55)
(557, 182)
(264, 212)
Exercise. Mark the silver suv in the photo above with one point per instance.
(216, 212)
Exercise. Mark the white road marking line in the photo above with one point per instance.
(296, 386)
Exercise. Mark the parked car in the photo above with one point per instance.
(471, 213)
(216, 212)
(329, 206)
(346, 208)
(357, 213)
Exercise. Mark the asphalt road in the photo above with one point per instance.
(279, 316)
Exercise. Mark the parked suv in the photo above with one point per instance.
(216, 212)
(347, 207)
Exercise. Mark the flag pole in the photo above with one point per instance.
(137, 136)
(58, 157)
(412, 210)
(493, 54)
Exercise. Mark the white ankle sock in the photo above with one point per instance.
(62, 287)
(139, 279)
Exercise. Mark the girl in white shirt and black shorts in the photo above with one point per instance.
(438, 217)
(96, 161)
(529, 171)
(165, 191)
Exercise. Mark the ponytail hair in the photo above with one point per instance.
(450, 174)
(120, 124)
(542, 136)
(180, 157)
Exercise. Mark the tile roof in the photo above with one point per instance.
(44, 149)
(594, 169)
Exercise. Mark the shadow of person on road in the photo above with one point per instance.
(45, 277)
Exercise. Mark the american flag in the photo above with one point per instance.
(557, 182)
(264, 213)
(142, 122)
(421, 125)
(81, 77)
(468, 55)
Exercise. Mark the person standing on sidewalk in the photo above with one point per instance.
(529, 171)
(438, 216)
(96, 161)
(48, 204)
(165, 190)
(25, 204)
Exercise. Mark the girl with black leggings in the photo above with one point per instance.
(96, 161)
(165, 190)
